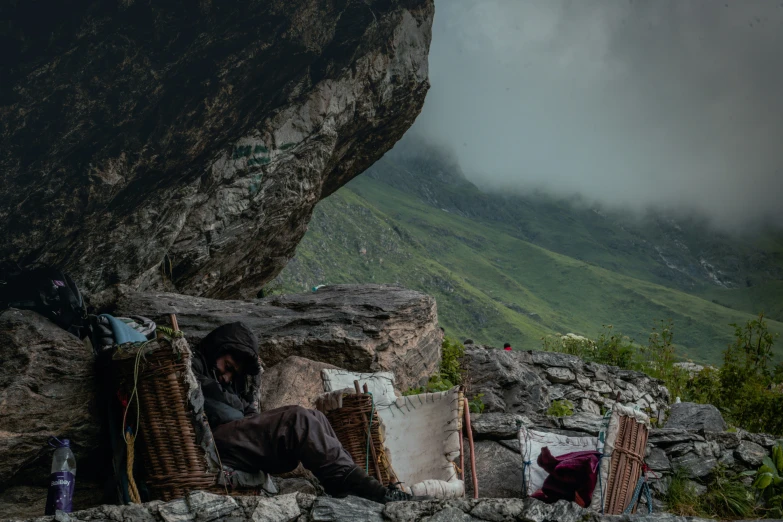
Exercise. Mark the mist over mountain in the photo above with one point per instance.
(668, 105)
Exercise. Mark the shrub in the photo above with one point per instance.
(561, 408)
(476, 405)
(726, 497)
(769, 482)
(571, 344)
(658, 357)
(614, 349)
(450, 371)
(681, 497)
(746, 388)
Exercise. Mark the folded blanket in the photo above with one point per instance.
(572, 476)
(121, 332)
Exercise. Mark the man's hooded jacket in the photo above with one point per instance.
(226, 402)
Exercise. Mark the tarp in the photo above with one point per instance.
(531, 444)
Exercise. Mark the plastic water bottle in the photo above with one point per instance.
(62, 481)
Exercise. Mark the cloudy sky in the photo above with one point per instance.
(663, 103)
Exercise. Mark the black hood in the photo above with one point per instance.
(236, 338)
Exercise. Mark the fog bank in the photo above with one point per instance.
(664, 103)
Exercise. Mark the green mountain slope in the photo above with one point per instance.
(493, 284)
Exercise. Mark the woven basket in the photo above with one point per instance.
(350, 425)
(174, 462)
(626, 464)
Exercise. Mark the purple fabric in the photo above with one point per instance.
(571, 476)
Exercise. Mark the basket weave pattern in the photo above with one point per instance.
(174, 462)
(350, 425)
(626, 464)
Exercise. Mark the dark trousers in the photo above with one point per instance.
(276, 441)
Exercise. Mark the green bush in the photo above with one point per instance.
(681, 497)
(658, 357)
(769, 483)
(561, 408)
(450, 371)
(746, 388)
(476, 405)
(726, 496)
(615, 349)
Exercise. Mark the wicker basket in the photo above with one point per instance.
(174, 462)
(626, 464)
(350, 425)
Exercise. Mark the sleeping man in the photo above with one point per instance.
(274, 441)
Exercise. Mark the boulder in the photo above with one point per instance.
(496, 426)
(725, 439)
(750, 453)
(668, 436)
(695, 465)
(583, 421)
(762, 439)
(192, 141)
(46, 389)
(508, 383)
(364, 328)
(560, 375)
(692, 416)
(658, 461)
(349, 509)
(295, 381)
(498, 469)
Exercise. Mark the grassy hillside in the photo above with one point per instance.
(494, 286)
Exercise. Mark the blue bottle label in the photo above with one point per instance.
(61, 487)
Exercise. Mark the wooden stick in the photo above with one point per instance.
(369, 434)
(472, 450)
(462, 450)
(174, 325)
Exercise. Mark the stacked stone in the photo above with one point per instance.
(302, 507)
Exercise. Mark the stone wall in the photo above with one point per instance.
(527, 382)
(301, 507)
(520, 385)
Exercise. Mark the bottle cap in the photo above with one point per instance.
(59, 443)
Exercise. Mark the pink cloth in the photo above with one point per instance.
(571, 476)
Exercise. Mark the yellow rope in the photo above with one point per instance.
(130, 438)
(133, 491)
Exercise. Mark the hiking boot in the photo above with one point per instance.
(359, 483)
(397, 495)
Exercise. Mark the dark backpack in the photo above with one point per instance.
(48, 291)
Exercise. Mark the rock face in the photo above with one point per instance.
(498, 469)
(46, 389)
(692, 416)
(356, 327)
(188, 144)
(296, 380)
(527, 382)
(208, 507)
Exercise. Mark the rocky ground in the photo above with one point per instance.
(299, 507)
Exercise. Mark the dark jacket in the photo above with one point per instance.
(225, 403)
